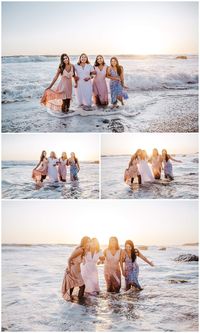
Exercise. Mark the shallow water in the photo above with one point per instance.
(163, 97)
(18, 184)
(31, 298)
(184, 185)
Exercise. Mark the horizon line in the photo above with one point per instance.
(118, 54)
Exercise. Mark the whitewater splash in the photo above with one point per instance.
(160, 88)
(31, 282)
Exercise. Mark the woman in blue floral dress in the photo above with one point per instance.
(115, 73)
(129, 265)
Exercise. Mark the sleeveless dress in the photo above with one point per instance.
(84, 88)
(73, 170)
(116, 88)
(145, 171)
(100, 90)
(62, 169)
(41, 170)
(156, 164)
(131, 272)
(73, 279)
(168, 169)
(52, 170)
(89, 272)
(53, 98)
(112, 271)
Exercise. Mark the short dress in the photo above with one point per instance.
(100, 90)
(73, 279)
(53, 99)
(116, 88)
(131, 272)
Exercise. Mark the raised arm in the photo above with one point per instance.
(173, 159)
(145, 259)
(54, 79)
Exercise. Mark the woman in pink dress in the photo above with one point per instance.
(59, 99)
(100, 90)
(40, 171)
(132, 171)
(112, 271)
(62, 167)
(89, 271)
(72, 276)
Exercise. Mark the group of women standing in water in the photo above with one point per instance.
(55, 168)
(82, 269)
(83, 72)
(139, 168)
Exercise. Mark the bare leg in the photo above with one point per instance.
(81, 291)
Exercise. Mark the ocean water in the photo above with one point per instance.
(184, 185)
(31, 297)
(163, 97)
(17, 183)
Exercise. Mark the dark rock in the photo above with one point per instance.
(187, 257)
(178, 281)
(162, 248)
(116, 126)
(181, 57)
(106, 121)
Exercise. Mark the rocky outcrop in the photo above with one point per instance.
(187, 257)
(181, 57)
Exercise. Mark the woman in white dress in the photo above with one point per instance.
(89, 270)
(144, 169)
(52, 167)
(83, 71)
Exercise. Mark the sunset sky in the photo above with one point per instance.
(99, 27)
(29, 147)
(175, 143)
(168, 222)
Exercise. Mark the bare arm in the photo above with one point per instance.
(122, 257)
(54, 79)
(111, 77)
(75, 253)
(173, 159)
(145, 259)
(77, 162)
(122, 76)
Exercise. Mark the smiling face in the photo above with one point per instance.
(113, 62)
(83, 59)
(128, 247)
(100, 60)
(66, 60)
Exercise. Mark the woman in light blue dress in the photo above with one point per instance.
(168, 169)
(129, 265)
(115, 73)
(74, 167)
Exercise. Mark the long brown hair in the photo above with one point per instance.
(79, 60)
(166, 155)
(96, 64)
(116, 243)
(133, 254)
(42, 156)
(119, 68)
(83, 242)
(62, 64)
